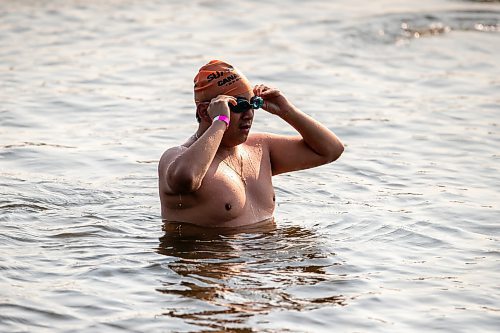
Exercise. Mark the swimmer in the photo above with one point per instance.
(222, 175)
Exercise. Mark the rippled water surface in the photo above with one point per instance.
(399, 235)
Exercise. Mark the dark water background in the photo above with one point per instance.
(400, 235)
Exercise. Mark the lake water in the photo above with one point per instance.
(401, 234)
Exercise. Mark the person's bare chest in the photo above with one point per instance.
(239, 187)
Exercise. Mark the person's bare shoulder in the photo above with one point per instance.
(266, 139)
(170, 154)
(259, 137)
(167, 157)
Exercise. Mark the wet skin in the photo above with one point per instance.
(222, 177)
(223, 199)
(237, 188)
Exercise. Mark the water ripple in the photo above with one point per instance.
(399, 235)
(398, 27)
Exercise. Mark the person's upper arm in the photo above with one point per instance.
(291, 153)
(166, 159)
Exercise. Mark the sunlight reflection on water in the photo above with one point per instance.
(400, 234)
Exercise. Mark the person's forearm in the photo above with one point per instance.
(186, 172)
(315, 135)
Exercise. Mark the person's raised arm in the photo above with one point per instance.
(316, 144)
(184, 169)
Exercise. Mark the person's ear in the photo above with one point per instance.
(202, 111)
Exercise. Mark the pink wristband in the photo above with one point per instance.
(223, 118)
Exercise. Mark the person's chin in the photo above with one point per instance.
(243, 135)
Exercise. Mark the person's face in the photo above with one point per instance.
(240, 123)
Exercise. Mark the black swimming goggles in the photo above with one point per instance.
(243, 105)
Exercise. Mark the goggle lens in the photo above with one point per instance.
(243, 105)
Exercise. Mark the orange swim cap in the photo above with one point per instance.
(219, 78)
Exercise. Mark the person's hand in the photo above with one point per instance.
(274, 101)
(219, 106)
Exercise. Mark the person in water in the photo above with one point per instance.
(222, 175)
